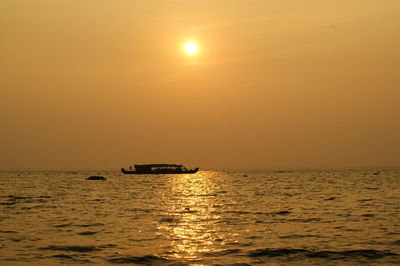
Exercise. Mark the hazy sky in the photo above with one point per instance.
(101, 84)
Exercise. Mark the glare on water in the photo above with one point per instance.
(211, 217)
(191, 206)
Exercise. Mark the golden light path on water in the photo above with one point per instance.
(192, 226)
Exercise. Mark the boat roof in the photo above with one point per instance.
(158, 165)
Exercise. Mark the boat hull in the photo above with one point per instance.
(159, 172)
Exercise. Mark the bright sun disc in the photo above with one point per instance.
(191, 48)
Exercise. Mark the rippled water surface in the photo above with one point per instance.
(246, 217)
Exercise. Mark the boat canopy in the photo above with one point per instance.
(150, 167)
(163, 168)
(157, 165)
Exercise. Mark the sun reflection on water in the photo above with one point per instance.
(190, 222)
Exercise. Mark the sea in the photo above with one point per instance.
(302, 217)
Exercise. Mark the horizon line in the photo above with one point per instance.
(222, 169)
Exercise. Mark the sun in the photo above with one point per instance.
(191, 48)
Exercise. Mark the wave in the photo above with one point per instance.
(397, 242)
(8, 232)
(304, 220)
(62, 225)
(143, 239)
(71, 258)
(74, 248)
(147, 259)
(7, 203)
(281, 253)
(298, 236)
(12, 197)
(141, 210)
(260, 213)
(169, 220)
(222, 252)
(86, 233)
(284, 252)
(70, 224)
(368, 215)
(13, 200)
(331, 198)
(71, 248)
(89, 225)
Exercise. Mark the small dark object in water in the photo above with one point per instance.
(96, 177)
(376, 173)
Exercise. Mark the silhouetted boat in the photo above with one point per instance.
(156, 169)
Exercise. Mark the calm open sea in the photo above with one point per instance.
(212, 217)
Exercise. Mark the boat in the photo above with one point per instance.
(157, 169)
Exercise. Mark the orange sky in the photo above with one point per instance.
(276, 84)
